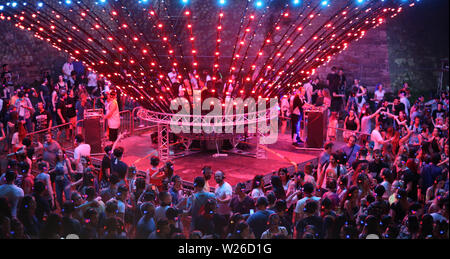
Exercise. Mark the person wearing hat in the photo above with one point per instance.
(112, 116)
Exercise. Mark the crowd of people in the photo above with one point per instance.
(389, 181)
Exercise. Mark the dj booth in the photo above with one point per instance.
(316, 120)
(93, 129)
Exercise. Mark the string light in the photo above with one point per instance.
(139, 62)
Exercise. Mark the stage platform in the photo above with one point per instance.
(237, 168)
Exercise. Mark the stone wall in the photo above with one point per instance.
(27, 56)
(366, 59)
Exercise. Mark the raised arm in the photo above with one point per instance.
(376, 113)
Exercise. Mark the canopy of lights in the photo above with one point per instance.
(257, 48)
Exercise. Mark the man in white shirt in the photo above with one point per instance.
(81, 150)
(308, 190)
(377, 138)
(223, 194)
(67, 68)
(11, 192)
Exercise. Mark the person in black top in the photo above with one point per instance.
(44, 94)
(106, 166)
(296, 115)
(333, 81)
(241, 203)
(311, 219)
(377, 164)
(42, 204)
(42, 119)
(118, 168)
(398, 106)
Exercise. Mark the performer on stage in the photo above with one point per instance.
(297, 102)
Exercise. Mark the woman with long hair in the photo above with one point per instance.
(351, 124)
(257, 187)
(277, 187)
(284, 176)
(19, 134)
(62, 172)
(350, 203)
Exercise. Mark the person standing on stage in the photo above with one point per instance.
(112, 115)
(296, 115)
(333, 81)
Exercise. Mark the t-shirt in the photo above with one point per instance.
(92, 80)
(377, 138)
(50, 152)
(324, 157)
(366, 126)
(160, 213)
(256, 193)
(301, 203)
(242, 206)
(315, 221)
(13, 194)
(379, 95)
(120, 168)
(70, 107)
(70, 226)
(106, 164)
(45, 91)
(80, 110)
(375, 167)
(429, 173)
(399, 107)
(438, 113)
(83, 150)
(258, 222)
(269, 235)
(114, 120)
(220, 192)
(196, 201)
(144, 228)
(41, 120)
(334, 81)
(351, 152)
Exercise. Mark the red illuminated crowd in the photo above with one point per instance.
(389, 180)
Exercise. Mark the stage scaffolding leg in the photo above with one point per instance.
(260, 151)
(163, 142)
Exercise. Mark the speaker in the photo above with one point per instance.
(316, 129)
(93, 134)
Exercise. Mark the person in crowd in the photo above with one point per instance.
(67, 68)
(258, 220)
(257, 187)
(112, 116)
(42, 118)
(11, 192)
(63, 177)
(81, 152)
(274, 228)
(146, 224)
(241, 202)
(223, 193)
